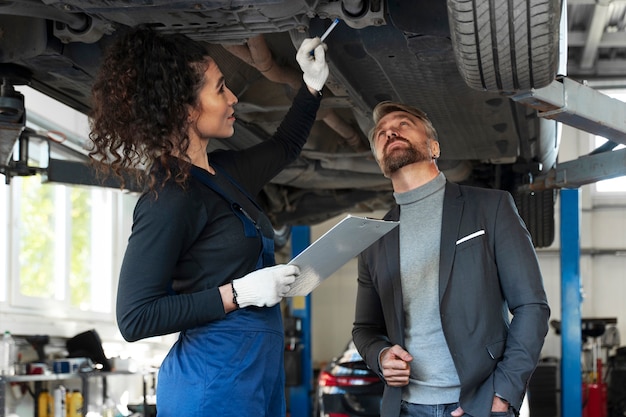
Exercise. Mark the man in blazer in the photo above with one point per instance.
(451, 311)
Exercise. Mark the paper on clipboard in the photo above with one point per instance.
(332, 250)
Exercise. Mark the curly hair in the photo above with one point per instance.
(140, 104)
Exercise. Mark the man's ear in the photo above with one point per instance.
(435, 150)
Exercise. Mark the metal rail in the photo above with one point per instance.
(582, 107)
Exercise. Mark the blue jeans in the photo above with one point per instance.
(438, 410)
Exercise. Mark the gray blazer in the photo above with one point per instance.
(488, 268)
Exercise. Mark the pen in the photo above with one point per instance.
(330, 28)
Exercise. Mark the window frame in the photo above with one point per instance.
(102, 258)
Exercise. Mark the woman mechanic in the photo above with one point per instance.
(200, 257)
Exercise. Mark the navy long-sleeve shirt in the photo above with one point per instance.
(189, 240)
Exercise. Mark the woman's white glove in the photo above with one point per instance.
(312, 59)
(264, 287)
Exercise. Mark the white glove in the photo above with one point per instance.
(313, 65)
(264, 287)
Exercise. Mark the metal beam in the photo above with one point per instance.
(584, 108)
(584, 170)
(578, 38)
(79, 173)
(594, 35)
(579, 106)
(605, 70)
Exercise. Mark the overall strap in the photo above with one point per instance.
(249, 222)
(248, 204)
(255, 223)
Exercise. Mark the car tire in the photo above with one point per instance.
(505, 45)
(537, 210)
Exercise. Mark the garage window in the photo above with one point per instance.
(58, 253)
(60, 244)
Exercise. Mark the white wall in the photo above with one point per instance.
(603, 275)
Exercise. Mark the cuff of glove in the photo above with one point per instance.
(316, 83)
(243, 295)
(235, 300)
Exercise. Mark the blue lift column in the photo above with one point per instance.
(571, 331)
(300, 404)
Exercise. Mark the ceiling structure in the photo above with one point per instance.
(597, 41)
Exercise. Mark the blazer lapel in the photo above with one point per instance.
(451, 221)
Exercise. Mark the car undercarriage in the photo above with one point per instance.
(457, 60)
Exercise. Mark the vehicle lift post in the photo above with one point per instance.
(300, 396)
(571, 299)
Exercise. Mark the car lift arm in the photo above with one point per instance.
(584, 170)
(584, 108)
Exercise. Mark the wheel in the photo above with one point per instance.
(505, 45)
(537, 210)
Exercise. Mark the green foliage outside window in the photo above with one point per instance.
(80, 246)
(41, 239)
(36, 238)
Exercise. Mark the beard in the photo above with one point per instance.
(399, 158)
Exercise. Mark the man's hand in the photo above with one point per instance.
(458, 412)
(394, 363)
(499, 405)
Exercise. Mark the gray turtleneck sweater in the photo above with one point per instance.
(434, 379)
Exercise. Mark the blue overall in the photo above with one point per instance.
(230, 367)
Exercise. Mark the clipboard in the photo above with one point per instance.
(334, 249)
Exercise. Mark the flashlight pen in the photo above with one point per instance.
(330, 28)
(325, 35)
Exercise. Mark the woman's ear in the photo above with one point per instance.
(190, 118)
(192, 114)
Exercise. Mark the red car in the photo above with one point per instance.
(346, 387)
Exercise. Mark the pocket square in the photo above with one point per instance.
(470, 236)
